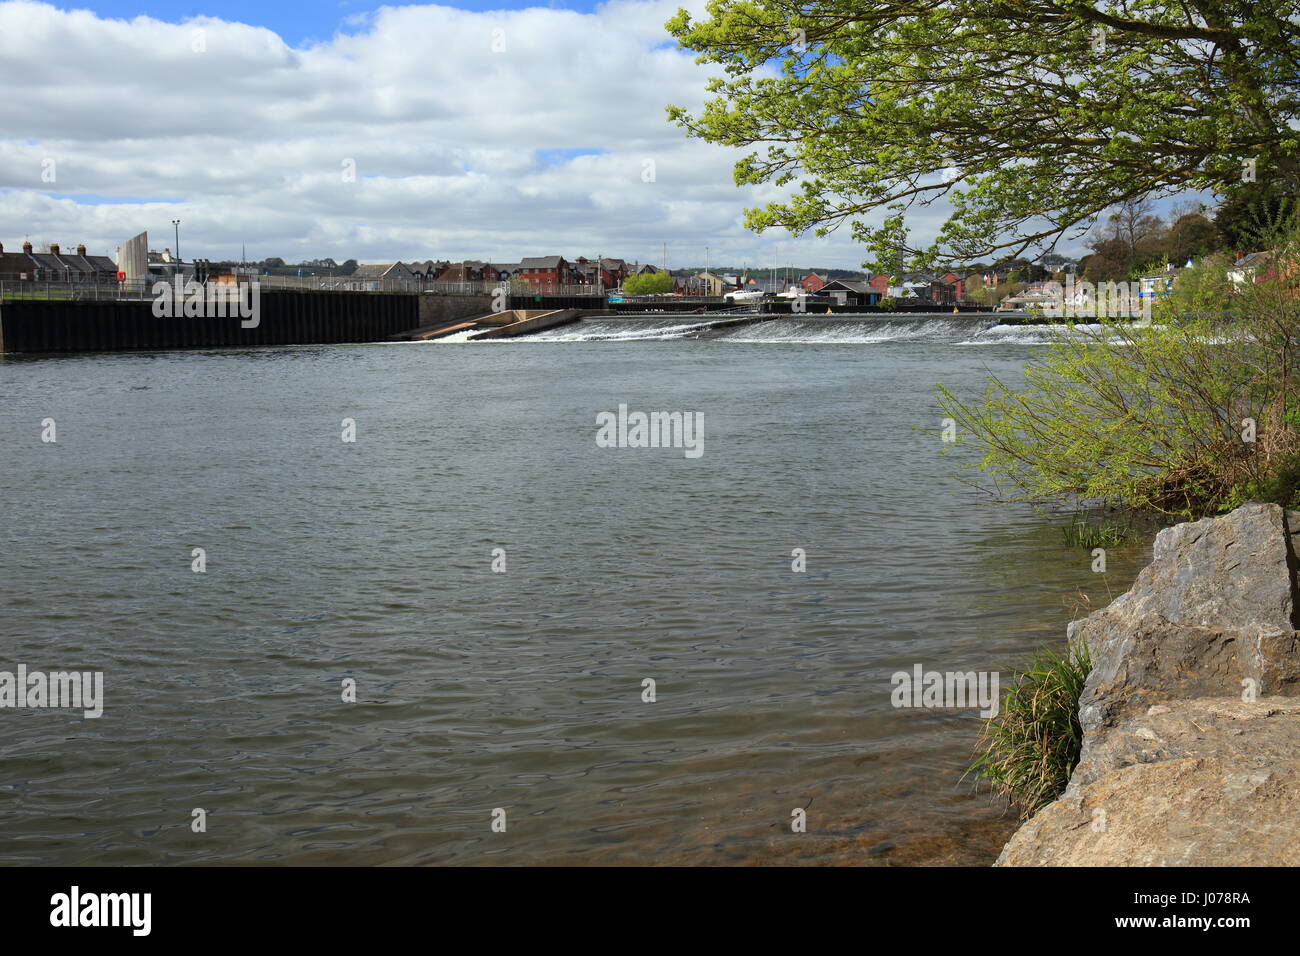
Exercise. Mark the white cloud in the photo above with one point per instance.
(243, 138)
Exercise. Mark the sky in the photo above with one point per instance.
(352, 130)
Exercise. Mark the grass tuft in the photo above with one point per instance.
(1081, 533)
(1029, 749)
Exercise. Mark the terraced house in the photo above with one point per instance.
(55, 266)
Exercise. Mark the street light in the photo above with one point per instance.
(176, 224)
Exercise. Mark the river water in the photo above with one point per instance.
(514, 680)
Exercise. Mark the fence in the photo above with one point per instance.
(143, 288)
(429, 286)
(76, 291)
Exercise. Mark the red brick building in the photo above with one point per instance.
(471, 270)
(544, 273)
(812, 282)
(608, 273)
(946, 290)
(958, 284)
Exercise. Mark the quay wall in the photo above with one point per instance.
(284, 318)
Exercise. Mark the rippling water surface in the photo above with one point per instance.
(519, 690)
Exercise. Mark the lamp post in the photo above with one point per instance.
(176, 224)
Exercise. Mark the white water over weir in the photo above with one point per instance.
(843, 328)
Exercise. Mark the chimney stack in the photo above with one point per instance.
(27, 248)
(81, 250)
(54, 248)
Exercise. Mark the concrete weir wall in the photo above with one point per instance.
(285, 318)
(443, 309)
(1191, 712)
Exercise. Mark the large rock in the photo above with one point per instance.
(1214, 608)
(1182, 763)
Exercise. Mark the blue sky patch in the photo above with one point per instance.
(298, 22)
(558, 157)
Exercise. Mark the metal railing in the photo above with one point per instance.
(427, 286)
(13, 290)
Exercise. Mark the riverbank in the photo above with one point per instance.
(1191, 713)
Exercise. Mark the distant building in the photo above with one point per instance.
(1039, 301)
(812, 282)
(770, 286)
(603, 272)
(946, 289)
(986, 278)
(47, 266)
(55, 266)
(78, 266)
(471, 270)
(710, 284)
(1250, 268)
(1158, 284)
(428, 270)
(544, 273)
(163, 265)
(384, 271)
(1056, 263)
(850, 292)
(917, 286)
(16, 266)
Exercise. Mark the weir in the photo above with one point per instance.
(308, 318)
(862, 328)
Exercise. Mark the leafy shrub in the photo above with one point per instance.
(648, 283)
(1156, 415)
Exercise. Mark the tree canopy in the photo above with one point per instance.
(648, 283)
(1030, 117)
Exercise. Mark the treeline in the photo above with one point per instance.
(278, 267)
(1133, 240)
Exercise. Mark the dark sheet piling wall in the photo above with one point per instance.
(286, 318)
(533, 302)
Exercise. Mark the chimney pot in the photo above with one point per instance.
(27, 247)
(54, 248)
(81, 250)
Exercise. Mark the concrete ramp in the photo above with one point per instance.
(504, 325)
(493, 325)
(434, 331)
